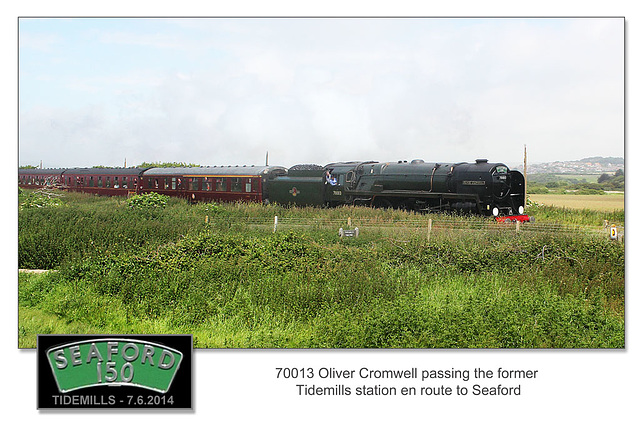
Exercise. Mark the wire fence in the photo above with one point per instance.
(430, 225)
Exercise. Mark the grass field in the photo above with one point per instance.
(602, 203)
(232, 282)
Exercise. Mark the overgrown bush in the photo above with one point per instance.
(38, 199)
(147, 201)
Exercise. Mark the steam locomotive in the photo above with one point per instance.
(481, 187)
(484, 188)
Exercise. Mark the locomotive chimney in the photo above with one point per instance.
(478, 161)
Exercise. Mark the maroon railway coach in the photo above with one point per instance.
(103, 181)
(215, 183)
(38, 178)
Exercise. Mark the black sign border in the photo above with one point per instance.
(179, 395)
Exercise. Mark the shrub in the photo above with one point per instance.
(38, 199)
(148, 200)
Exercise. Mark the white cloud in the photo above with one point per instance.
(330, 90)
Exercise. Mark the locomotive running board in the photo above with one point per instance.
(408, 193)
(416, 194)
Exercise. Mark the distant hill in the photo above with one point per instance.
(604, 160)
(588, 165)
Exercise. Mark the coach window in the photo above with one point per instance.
(90, 181)
(221, 184)
(193, 184)
(173, 183)
(108, 182)
(206, 184)
(236, 184)
(167, 185)
(247, 186)
(116, 184)
(100, 182)
(124, 182)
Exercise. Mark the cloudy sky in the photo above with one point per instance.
(218, 91)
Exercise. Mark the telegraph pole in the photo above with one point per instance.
(525, 175)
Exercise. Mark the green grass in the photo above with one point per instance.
(232, 282)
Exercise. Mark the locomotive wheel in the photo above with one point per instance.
(406, 205)
(382, 203)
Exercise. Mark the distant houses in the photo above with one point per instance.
(592, 165)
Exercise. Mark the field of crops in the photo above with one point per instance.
(602, 203)
(221, 273)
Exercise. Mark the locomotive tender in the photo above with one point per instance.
(484, 188)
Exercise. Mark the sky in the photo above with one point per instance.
(225, 91)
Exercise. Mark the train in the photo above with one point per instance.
(480, 187)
